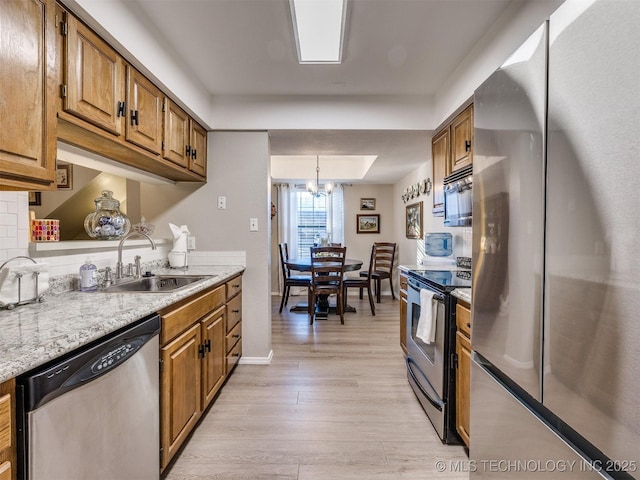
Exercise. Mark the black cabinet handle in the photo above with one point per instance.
(188, 150)
(467, 145)
(235, 311)
(134, 117)
(468, 325)
(207, 345)
(201, 351)
(122, 109)
(194, 153)
(236, 354)
(236, 336)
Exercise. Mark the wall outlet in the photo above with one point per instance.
(222, 202)
(253, 224)
(191, 242)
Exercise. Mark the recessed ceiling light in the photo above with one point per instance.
(318, 27)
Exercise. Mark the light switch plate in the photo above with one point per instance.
(191, 242)
(222, 202)
(253, 224)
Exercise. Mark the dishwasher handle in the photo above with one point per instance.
(86, 363)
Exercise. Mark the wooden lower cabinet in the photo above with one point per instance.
(463, 371)
(213, 339)
(7, 430)
(403, 312)
(181, 403)
(199, 346)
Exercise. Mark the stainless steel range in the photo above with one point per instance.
(431, 357)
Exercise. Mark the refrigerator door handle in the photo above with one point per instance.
(438, 404)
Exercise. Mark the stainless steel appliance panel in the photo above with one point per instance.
(592, 372)
(510, 441)
(95, 425)
(508, 234)
(429, 358)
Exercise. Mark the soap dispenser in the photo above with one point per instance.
(88, 277)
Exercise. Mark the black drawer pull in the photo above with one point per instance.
(236, 336)
(134, 118)
(235, 311)
(468, 325)
(236, 355)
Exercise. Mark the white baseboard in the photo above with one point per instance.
(257, 360)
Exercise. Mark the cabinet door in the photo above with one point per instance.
(463, 386)
(213, 369)
(28, 82)
(144, 102)
(177, 136)
(198, 162)
(94, 75)
(8, 449)
(440, 153)
(180, 391)
(462, 141)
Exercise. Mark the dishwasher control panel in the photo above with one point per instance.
(116, 356)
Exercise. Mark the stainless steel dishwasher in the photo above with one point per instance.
(94, 414)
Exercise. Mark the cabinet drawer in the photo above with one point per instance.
(233, 336)
(234, 286)
(234, 312)
(403, 282)
(233, 356)
(176, 321)
(463, 319)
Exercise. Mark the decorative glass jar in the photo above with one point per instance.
(107, 222)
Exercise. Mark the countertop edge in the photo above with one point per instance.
(32, 335)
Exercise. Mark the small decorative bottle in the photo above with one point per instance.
(88, 277)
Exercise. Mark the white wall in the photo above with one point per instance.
(238, 168)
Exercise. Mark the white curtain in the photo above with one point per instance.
(335, 220)
(288, 212)
(287, 225)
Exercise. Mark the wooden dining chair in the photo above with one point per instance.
(361, 282)
(383, 259)
(327, 275)
(288, 279)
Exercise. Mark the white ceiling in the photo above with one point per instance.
(392, 47)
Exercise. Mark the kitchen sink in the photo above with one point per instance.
(155, 284)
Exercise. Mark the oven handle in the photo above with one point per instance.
(437, 296)
(436, 403)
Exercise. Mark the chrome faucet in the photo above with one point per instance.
(119, 265)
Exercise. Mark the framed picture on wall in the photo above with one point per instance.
(64, 176)
(414, 220)
(367, 204)
(368, 223)
(35, 198)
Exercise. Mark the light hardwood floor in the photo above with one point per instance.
(334, 404)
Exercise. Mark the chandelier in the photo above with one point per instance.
(314, 187)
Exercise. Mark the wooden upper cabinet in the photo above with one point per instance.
(198, 163)
(461, 141)
(144, 104)
(28, 83)
(440, 153)
(177, 135)
(94, 79)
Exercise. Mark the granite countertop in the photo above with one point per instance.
(33, 334)
(463, 294)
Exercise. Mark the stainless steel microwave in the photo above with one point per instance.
(458, 198)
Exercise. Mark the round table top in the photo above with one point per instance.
(304, 264)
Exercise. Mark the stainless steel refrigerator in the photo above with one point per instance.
(555, 381)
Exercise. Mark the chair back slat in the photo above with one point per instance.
(327, 266)
(284, 256)
(384, 256)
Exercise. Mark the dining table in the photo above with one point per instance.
(323, 308)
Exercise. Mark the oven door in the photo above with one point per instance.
(425, 362)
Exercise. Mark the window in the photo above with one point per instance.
(312, 220)
(303, 216)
